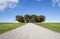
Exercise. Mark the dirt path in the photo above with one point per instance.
(30, 31)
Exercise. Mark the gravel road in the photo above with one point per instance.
(30, 31)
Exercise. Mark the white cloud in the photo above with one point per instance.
(56, 2)
(7, 4)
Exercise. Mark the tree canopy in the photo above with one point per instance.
(30, 18)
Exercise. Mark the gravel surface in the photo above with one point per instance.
(30, 31)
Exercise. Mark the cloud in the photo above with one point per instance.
(59, 4)
(56, 2)
(7, 4)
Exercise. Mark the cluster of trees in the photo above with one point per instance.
(30, 18)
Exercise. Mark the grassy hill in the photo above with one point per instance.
(52, 26)
(4, 27)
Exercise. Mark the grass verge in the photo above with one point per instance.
(52, 26)
(4, 27)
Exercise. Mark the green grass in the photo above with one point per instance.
(52, 26)
(4, 27)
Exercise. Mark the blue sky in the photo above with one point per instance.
(48, 8)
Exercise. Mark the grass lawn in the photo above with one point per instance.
(4, 27)
(52, 26)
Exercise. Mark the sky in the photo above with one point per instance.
(10, 8)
